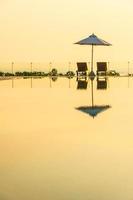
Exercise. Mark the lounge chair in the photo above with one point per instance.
(101, 68)
(82, 69)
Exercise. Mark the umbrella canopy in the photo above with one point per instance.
(93, 40)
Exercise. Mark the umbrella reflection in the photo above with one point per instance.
(93, 110)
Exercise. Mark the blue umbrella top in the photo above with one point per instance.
(93, 40)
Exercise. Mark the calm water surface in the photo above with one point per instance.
(49, 150)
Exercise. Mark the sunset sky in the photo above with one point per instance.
(45, 30)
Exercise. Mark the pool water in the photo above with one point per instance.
(50, 149)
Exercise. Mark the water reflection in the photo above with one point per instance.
(31, 82)
(102, 83)
(69, 82)
(12, 82)
(70, 156)
(52, 78)
(82, 84)
(94, 110)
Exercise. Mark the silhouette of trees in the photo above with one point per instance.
(26, 73)
(1, 73)
(112, 73)
(70, 74)
(53, 72)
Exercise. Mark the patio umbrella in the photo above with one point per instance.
(93, 40)
(93, 110)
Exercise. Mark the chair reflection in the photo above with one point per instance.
(102, 83)
(82, 84)
(93, 110)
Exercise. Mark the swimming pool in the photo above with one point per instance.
(51, 150)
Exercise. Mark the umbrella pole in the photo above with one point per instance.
(92, 60)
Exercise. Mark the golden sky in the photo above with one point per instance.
(45, 30)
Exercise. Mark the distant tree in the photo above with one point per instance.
(19, 74)
(70, 74)
(54, 72)
(36, 73)
(1, 73)
(8, 74)
(112, 73)
(61, 74)
(25, 73)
